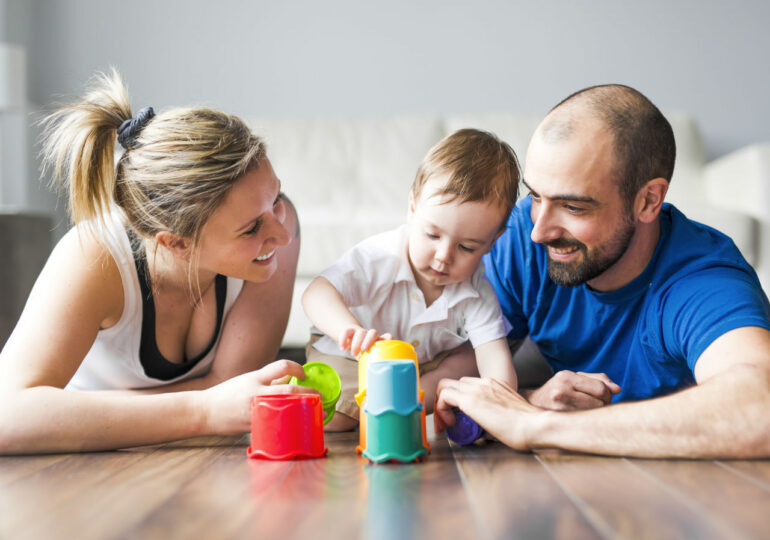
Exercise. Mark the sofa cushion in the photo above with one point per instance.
(349, 178)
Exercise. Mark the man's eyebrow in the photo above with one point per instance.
(565, 196)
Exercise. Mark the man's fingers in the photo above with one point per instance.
(443, 417)
(593, 387)
(613, 387)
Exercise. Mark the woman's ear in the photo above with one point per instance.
(649, 199)
(178, 246)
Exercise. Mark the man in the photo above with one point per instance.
(631, 303)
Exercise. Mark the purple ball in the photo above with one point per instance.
(465, 429)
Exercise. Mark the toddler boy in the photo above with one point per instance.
(422, 283)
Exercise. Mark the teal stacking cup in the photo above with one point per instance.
(392, 387)
(394, 437)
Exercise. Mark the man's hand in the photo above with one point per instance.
(357, 339)
(495, 406)
(569, 391)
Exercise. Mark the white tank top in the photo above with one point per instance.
(113, 362)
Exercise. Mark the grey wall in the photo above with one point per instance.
(709, 58)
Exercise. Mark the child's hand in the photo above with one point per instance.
(357, 339)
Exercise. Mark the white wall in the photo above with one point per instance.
(339, 57)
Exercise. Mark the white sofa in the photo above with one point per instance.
(350, 178)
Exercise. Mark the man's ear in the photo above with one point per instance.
(178, 246)
(649, 199)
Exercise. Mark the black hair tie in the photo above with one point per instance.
(130, 129)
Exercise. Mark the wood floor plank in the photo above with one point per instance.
(719, 492)
(112, 506)
(513, 496)
(621, 501)
(754, 470)
(219, 501)
(346, 497)
(41, 494)
(316, 496)
(14, 467)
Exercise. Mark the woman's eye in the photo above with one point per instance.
(431, 235)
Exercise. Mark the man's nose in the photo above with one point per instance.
(545, 226)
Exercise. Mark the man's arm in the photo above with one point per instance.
(723, 416)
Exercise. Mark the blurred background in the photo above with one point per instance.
(359, 59)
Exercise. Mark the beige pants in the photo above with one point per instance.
(347, 369)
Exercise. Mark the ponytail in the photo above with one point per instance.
(79, 147)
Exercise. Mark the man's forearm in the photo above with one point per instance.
(724, 417)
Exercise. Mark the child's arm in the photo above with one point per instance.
(326, 309)
(493, 359)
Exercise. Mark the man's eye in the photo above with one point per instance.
(573, 209)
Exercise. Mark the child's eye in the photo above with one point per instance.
(431, 235)
(467, 249)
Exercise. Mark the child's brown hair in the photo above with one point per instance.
(480, 166)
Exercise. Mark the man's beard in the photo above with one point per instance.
(594, 262)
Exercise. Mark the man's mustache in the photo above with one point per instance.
(564, 243)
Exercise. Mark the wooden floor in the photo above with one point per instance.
(208, 488)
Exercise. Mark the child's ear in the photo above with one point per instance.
(411, 203)
(178, 246)
(492, 243)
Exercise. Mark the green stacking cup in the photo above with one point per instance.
(323, 378)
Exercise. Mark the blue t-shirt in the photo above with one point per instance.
(646, 336)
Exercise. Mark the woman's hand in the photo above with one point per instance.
(357, 339)
(227, 406)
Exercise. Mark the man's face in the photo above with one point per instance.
(577, 210)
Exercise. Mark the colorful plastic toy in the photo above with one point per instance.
(392, 405)
(323, 378)
(286, 426)
(465, 430)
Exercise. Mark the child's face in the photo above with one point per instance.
(448, 239)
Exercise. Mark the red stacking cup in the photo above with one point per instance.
(287, 426)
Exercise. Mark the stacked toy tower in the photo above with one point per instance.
(392, 405)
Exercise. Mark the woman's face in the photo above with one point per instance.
(242, 235)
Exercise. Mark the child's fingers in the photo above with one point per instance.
(356, 341)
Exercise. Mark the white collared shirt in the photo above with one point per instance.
(377, 285)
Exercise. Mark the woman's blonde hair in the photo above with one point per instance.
(173, 175)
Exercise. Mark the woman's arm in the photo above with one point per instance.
(78, 292)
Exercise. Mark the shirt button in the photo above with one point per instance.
(416, 343)
(415, 296)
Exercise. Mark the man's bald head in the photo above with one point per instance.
(644, 140)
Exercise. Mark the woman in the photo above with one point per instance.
(134, 301)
